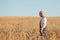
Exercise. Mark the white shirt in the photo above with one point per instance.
(43, 21)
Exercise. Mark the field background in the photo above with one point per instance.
(27, 28)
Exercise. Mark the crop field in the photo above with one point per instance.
(27, 28)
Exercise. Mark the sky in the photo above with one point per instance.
(29, 7)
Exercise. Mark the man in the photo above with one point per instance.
(43, 23)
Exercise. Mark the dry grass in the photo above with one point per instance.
(27, 28)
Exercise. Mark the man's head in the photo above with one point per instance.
(41, 13)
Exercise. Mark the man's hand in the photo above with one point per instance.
(43, 26)
(42, 30)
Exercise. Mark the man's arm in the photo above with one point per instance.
(44, 24)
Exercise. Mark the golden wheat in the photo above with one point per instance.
(27, 28)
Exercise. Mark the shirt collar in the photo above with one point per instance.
(43, 16)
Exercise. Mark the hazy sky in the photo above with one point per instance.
(29, 7)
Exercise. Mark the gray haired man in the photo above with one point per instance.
(43, 23)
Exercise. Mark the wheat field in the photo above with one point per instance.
(27, 28)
